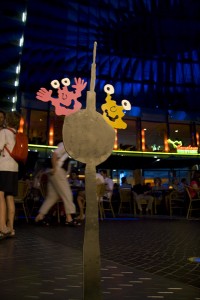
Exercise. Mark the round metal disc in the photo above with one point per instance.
(87, 137)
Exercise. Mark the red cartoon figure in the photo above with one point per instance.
(112, 112)
(66, 103)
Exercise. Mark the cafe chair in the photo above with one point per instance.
(194, 203)
(157, 202)
(20, 199)
(158, 194)
(105, 204)
(176, 202)
(125, 200)
(100, 194)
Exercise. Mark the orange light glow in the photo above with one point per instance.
(166, 144)
(116, 140)
(197, 138)
(143, 139)
(51, 136)
(21, 125)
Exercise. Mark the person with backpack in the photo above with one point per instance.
(8, 175)
(58, 188)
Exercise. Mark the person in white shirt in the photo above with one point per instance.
(8, 175)
(109, 184)
(58, 188)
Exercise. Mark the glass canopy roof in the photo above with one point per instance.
(148, 50)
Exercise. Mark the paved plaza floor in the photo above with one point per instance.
(141, 258)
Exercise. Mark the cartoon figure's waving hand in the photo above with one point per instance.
(79, 84)
(44, 95)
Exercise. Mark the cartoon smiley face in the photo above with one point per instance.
(112, 112)
(63, 93)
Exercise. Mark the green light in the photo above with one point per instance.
(42, 146)
(132, 153)
(194, 259)
(158, 154)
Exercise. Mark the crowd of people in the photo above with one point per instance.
(70, 189)
(75, 197)
(159, 192)
(63, 183)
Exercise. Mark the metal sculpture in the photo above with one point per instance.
(88, 138)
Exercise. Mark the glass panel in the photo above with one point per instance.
(180, 132)
(198, 134)
(38, 128)
(24, 116)
(118, 174)
(58, 125)
(154, 135)
(127, 137)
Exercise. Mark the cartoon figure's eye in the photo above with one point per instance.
(55, 84)
(65, 81)
(109, 89)
(126, 104)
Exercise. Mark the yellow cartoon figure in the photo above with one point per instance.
(112, 112)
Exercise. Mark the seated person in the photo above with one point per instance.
(74, 181)
(158, 183)
(124, 183)
(109, 185)
(157, 188)
(177, 187)
(99, 179)
(183, 184)
(195, 185)
(143, 191)
(77, 185)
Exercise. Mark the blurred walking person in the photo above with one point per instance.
(58, 188)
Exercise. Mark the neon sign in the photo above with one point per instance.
(183, 150)
(187, 150)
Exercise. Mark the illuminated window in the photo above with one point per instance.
(127, 137)
(154, 135)
(180, 132)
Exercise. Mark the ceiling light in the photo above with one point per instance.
(16, 83)
(24, 14)
(21, 41)
(18, 69)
